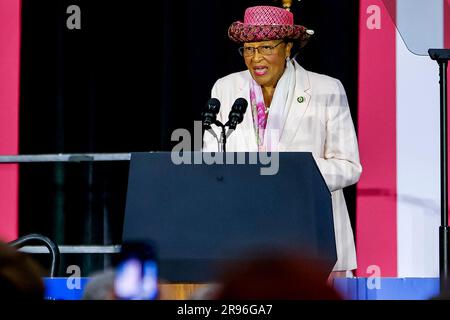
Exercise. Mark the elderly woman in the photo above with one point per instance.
(291, 109)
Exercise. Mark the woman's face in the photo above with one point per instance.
(267, 69)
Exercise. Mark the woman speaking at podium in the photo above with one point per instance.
(291, 109)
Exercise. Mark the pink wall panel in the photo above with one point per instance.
(376, 217)
(9, 114)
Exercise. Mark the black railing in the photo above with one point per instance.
(54, 249)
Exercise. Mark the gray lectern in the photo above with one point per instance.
(202, 215)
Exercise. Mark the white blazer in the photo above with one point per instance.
(319, 122)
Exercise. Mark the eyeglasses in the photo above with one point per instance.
(264, 50)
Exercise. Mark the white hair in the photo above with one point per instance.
(100, 286)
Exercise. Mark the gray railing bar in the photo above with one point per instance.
(66, 157)
(73, 249)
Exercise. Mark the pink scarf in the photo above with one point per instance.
(269, 126)
(259, 113)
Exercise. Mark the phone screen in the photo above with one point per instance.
(136, 273)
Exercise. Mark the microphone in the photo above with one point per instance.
(237, 113)
(210, 113)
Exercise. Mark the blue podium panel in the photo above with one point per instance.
(202, 216)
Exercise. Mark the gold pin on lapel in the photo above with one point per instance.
(300, 99)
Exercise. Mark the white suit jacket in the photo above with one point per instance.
(319, 122)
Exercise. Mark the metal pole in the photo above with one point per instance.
(442, 56)
(444, 229)
(65, 157)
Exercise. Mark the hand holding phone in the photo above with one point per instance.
(137, 272)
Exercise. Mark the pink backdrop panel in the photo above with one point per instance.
(376, 217)
(9, 114)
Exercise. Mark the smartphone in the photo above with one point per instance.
(136, 274)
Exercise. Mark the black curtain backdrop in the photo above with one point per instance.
(135, 71)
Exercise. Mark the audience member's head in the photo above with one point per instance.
(205, 292)
(276, 277)
(100, 286)
(20, 276)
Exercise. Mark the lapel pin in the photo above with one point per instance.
(300, 99)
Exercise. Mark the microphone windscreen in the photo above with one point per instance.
(213, 106)
(240, 105)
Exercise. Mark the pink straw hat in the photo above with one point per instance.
(267, 23)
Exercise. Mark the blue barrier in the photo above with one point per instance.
(350, 288)
(387, 288)
(64, 288)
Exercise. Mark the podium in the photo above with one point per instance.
(202, 216)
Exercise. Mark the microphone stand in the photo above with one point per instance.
(223, 137)
(222, 141)
(231, 124)
(442, 56)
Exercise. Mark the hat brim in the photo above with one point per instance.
(240, 32)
